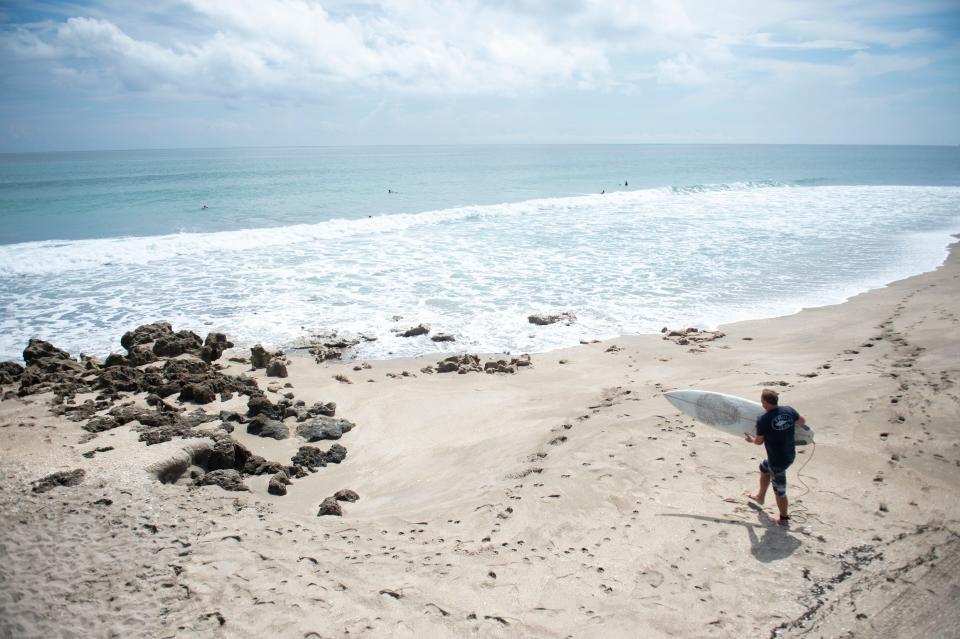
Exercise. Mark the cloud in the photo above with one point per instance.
(308, 50)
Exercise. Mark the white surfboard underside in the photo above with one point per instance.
(729, 413)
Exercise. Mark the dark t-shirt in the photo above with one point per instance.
(777, 427)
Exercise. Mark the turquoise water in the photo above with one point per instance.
(472, 240)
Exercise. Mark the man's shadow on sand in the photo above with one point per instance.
(774, 543)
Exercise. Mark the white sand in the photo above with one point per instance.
(567, 500)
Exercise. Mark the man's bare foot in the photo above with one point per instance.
(755, 498)
(780, 521)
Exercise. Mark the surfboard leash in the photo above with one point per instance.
(800, 513)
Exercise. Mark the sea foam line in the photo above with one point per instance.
(55, 256)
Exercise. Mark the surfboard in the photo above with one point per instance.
(729, 413)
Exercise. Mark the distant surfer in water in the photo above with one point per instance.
(775, 430)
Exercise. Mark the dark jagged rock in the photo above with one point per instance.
(38, 350)
(324, 428)
(222, 456)
(10, 372)
(198, 393)
(259, 356)
(261, 405)
(122, 378)
(330, 506)
(213, 346)
(257, 465)
(140, 355)
(145, 334)
(442, 337)
(263, 426)
(62, 478)
(177, 344)
(114, 359)
(100, 424)
(346, 495)
(459, 364)
(231, 416)
(276, 368)
(544, 320)
(228, 479)
(328, 409)
(336, 454)
(414, 331)
(313, 457)
(278, 483)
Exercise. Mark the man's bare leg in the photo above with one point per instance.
(782, 504)
(762, 493)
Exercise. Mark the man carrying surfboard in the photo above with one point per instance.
(775, 430)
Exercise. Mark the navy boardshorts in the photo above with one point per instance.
(778, 477)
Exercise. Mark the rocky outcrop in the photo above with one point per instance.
(469, 363)
(175, 344)
(313, 457)
(414, 331)
(260, 357)
(10, 372)
(330, 506)
(146, 334)
(442, 337)
(263, 426)
(324, 428)
(687, 336)
(213, 347)
(225, 479)
(38, 350)
(62, 478)
(278, 483)
(277, 367)
(346, 495)
(543, 320)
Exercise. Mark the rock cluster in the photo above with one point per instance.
(62, 478)
(686, 336)
(332, 345)
(331, 505)
(470, 363)
(567, 318)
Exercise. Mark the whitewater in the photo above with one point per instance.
(625, 262)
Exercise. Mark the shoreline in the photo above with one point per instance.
(565, 498)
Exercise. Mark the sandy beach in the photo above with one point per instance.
(565, 499)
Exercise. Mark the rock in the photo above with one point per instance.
(259, 356)
(321, 408)
(313, 457)
(261, 405)
(231, 416)
(228, 479)
(278, 484)
(222, 456)
(459, 363)
(197, 393)
(10, 372)
(177, 344)
(62, 478)
(263, 426)
(324, 428)
(442, 337)
(544, 320)
(37, 349)
(257, 465)
(145, 334)
(121, 378)
(100, 424)
(346, 495)
(276, 368)
(336, 454)
(414, 331)
(330, 506)
(213, 346)
(114, 359)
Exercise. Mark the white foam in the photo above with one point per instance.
(624, 262)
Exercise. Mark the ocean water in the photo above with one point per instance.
(471, 240)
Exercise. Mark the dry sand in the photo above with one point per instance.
(567, 500)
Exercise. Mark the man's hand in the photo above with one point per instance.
(748, 437)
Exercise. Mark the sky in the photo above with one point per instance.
(114, 74)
